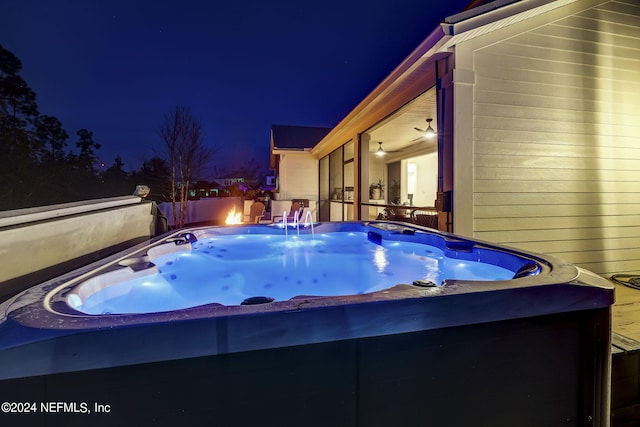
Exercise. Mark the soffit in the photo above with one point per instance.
(398, 131)
(407, 83)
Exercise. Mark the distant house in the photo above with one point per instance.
(227, 182)
(536, 107)
(296, 169)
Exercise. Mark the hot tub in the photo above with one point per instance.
(376, 323)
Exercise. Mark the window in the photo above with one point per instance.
(337, 176)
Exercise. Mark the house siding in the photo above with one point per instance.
(298, 177)
(556, 135)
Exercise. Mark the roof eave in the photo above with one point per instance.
(499, 10)
(429, 47)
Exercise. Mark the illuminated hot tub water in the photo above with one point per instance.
(358, 324)
(252, 268)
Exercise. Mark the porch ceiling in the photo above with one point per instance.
(397, 131)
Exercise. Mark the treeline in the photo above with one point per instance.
(39, 167)
(42, 165)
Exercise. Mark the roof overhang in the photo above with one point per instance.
(289, 148)
(416, 74)
(413, 76)
(277, 150)
(494, 16)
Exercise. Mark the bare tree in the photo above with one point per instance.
(186, 154)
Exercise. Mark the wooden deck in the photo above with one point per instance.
(626, 312)
(625, 372)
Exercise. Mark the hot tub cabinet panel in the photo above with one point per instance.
(547, 370)
(532, 351)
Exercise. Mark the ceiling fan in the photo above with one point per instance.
(381, 151)
(429, 132)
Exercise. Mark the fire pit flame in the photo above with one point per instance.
(233, 217)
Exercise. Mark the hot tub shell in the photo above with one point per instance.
(530, 351)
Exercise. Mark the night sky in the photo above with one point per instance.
(118, 67)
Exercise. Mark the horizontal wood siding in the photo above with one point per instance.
(298, 177)
(556, 148)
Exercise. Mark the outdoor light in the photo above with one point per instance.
(380, 151)
(141, 191)
(429, 133)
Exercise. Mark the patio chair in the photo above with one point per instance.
(397, 213)
(256, 212)
(425, 217)
(296, 206)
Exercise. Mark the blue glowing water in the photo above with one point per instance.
(227, 269)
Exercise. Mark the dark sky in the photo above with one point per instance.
(118, 67)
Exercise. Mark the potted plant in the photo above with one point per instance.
(376, 190)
